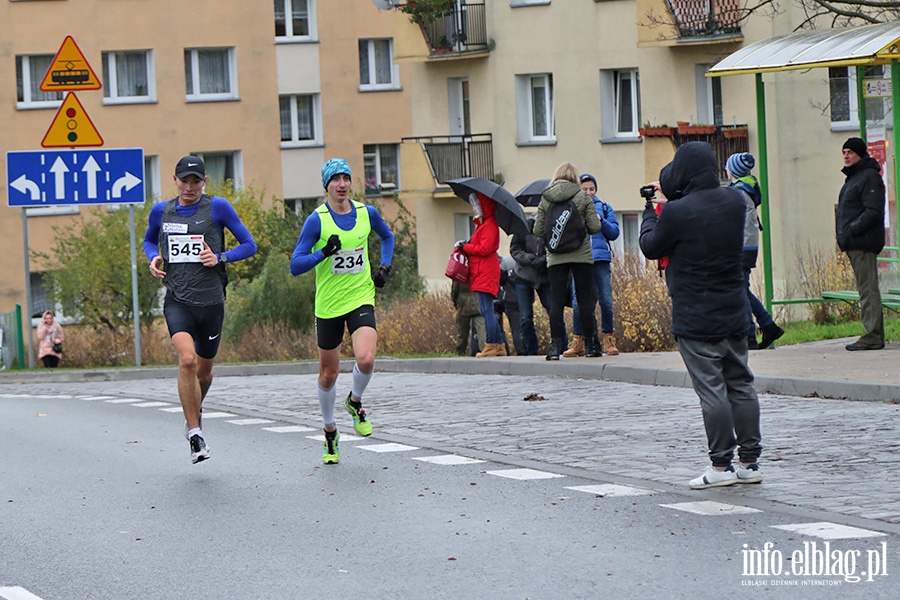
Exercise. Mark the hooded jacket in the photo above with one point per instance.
(47, 336)
(484, 266)
(609, 231)
(561, 191)
(531, 258)
(701, 230)
(859, 221)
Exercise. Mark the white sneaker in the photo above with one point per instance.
(713, 477)
(748, 474)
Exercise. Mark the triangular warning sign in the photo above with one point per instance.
(71, 127)
(69, 70)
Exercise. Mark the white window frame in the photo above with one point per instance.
(289, 36)
(610, 99)
(110, 72)
(236, 156)
(295, 141)
(710, 110)
(27, 77)
(525, 110)
(852, 123)
(394, 83)
(194, 94)
(383, 188)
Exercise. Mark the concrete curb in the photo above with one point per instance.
(513, 366)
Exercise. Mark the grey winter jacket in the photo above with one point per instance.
(560, 191)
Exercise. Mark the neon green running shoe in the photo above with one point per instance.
(331, 454)
(360, 423)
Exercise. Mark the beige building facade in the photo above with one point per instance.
(580, 82)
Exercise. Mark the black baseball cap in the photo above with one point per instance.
(190, 165)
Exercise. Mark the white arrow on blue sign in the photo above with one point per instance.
(55, 177)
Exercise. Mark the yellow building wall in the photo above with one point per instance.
(168, 128)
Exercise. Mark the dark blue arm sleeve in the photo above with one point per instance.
(304, 259)
(384, 232)
(151, 237)
(225, 216)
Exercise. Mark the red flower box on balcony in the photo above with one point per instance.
(735, 132)
(660, 131)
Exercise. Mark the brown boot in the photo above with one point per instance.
(609, 344)
(576, 348)
(492, 350)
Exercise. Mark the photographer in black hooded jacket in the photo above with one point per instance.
(702, 234)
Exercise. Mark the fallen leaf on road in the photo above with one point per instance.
(533, 398)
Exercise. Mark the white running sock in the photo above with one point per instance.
(194, 432)
(360, 381)
(326, 403)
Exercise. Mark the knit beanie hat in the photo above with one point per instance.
(856, 145)
(334, 166)
(740, 164)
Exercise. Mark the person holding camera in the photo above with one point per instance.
(700, 229)
(50, 339)
(334, 242)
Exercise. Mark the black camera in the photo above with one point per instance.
(648, 192)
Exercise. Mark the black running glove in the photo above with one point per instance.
(331, 246)
(381, 275)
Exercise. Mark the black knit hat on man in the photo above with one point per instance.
(856, 145)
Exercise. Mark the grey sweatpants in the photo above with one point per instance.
(730, 406)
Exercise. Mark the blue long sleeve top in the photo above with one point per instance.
(304, 259)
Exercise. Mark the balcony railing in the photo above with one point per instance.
(723, 140)
(451, 157)
(462, 29)
(706, 18)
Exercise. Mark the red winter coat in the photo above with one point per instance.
(484, 266)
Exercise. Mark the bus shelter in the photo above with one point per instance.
(857, 47)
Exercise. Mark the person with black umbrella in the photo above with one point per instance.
(484, 268)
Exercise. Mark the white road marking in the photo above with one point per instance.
(611, 489)
(250, 421)
(16, 593)
(523, 474)
(829, 531)
(345, 437)
(217, 415)
(289, 429)
(389, 447)
(709, 508)
(448, 459)
(153, 404)
(95, 397)
(126, 400)
(172, 409)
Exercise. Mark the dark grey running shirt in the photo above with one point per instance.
(187, 280)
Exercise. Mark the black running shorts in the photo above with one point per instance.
(203, 323)
(330, 332)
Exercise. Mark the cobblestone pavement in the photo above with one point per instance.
(832, 455)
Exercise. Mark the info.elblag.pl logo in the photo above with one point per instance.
(813, 564)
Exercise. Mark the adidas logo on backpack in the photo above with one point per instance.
(564, 230)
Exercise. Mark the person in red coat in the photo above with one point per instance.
(484, 270)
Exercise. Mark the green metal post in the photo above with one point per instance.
(895, 96)
(861, 100)
(20, 345)
(763, 161)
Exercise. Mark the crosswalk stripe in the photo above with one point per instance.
(448, 459)
(289, 429)
(709, 508)
(389, 447)
(125, 400)
(16, 593)
(153, 404)
(523, 474)
(249, 421)
(829, 531)
(610, 489)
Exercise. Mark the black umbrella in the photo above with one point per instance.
(530, 195)
(510, 216)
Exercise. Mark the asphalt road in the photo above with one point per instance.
(98, 499)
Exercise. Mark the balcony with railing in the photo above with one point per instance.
(452, 157)
(451, 29)
(706, 20)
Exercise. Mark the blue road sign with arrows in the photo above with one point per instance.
(56, 177)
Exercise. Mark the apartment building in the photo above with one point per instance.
(527, 84)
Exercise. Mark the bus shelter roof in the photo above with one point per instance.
(864, 45)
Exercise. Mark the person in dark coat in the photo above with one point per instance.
(700, 229)
(529, 276)
(859, 224)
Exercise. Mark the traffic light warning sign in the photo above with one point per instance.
(72, 127)
(69, 70)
